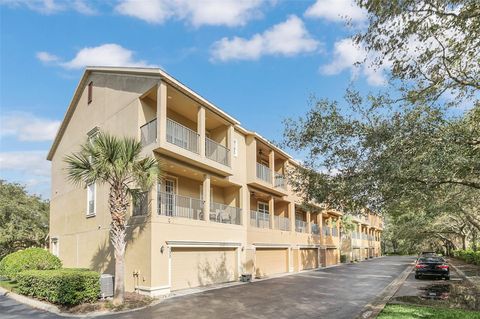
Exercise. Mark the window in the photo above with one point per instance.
(55, 246)
(92, 134)
(140, 204)
(235, 148)
(90, 92)
(91, 200)
(263, 207)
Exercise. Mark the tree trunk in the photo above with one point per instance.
(118, 240)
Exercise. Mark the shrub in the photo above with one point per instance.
(60, 286)
(470, 256)
(28, 259)
(343, 258)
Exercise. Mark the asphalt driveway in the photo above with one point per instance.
(337, 292)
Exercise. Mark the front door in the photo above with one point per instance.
(167, 197)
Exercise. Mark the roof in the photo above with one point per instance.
(149, 72)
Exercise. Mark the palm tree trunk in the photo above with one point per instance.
(118, 240)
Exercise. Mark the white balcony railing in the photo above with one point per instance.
(217, 152)
(221, 213)
(259, 219)
(280, 181)
(282, 223)
(315, 229)
(182, 136)
(148, 132)
(264, 173)
(170, 204)
(300, 226)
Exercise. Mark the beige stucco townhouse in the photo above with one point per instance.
(223, 207)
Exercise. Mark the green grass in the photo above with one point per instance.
(415, 312)
(9, 285)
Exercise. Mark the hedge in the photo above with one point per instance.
(28, 259)
(61, 286)
(470, 256)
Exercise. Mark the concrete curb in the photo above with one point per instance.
(30, 302)
(374, 308)
(467, 278)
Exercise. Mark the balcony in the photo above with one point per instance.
(221, 213)
(182, 136)
(334, 232)
(259, 219)
(174, 205)
(148, 132)
(264, 173)
(280, 181)
(217, 152)
(327, 231)
(282, 223)
(315, 229)
(300, 226)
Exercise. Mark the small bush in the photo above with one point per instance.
(61, 286)
(469, 256)
(343, 258)
(28, 259)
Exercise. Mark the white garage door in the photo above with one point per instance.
(193, 267)
(308, 258)
(269, 261)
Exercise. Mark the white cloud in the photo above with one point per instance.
(52, 6)
(31, 162)
(287, 38)
(337, 11)
(206, 12)
(28, 127)
(109, 54)
(347, 55)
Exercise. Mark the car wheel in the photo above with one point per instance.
(417, 276)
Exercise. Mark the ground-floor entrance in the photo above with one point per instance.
(331, 256)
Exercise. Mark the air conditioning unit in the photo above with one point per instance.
(106, 285)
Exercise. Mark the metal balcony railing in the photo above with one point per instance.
(264, 173)
(182, 136)
(327, 231)
(170, 204)
(217, 152)
(221, 213)
(300, 226)
(282, 223)
(334, 231)
(315, 229)
(148, 132)
(280, 181)
(259, 219)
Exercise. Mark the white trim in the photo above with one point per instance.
(154, 291)
(88, 213)
(202, 244)
(266, 245)
(263, 203)
(55, 239)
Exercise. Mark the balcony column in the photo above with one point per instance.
(162, 112)
(153, 200)
(320, 226)
(201, 130)
(291, 215)
(271, 162)
(271, 209)
(309, 222)
(206, 197)
(230, 144)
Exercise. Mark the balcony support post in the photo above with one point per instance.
(291, 215)
(162, 112)
(320, 226)
(206, 197)
(309, 222)
(201, 130)
(230, 144)
(271, 162)
(153, 200)
(271, 209)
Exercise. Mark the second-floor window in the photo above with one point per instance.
(91, 199)
(235, 148)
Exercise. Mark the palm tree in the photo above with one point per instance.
(116, 162)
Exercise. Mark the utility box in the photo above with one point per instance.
(246, 277)
(106, 285)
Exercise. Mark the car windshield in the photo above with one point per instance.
(431, 260)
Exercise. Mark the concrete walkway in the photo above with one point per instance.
(338, 292)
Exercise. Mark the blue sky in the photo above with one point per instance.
(257, 60)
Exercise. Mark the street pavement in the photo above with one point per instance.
(336, 292)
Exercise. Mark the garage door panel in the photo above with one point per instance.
(331, 256)
(194, 267)
(308, 258)
(270, 261)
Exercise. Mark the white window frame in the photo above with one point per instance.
(235, 147)
(264, 204)
(88, 213)
(55, 242)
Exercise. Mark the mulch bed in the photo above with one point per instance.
(132, 301)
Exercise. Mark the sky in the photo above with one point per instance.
(260, 61)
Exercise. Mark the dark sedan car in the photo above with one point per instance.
(432, 266)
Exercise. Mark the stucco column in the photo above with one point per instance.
(153, 200)
(206, 197)
(271, 209)
(162, 112)
(230, 132)
(201, 130)
(291, 215)
(320, 226)
(271, 161)
(309, 223)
